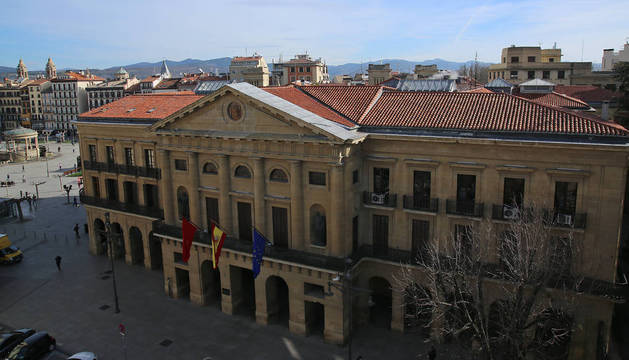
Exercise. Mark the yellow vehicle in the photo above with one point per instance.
(9, 254)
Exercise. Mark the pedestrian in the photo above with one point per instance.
(59, 166)
(76, 204)
(432, 354)
(58, 148)
(22, 168)
(21, 196)
(58, 261)
(76, 231)
(8, 177)
(23, 178)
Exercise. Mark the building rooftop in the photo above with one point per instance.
(349, 101)
(246, 58)
(499, 83)
(555, 99)
(74, 76)
(426, 85)
(536, 82)
(38, 82)
(210, 86)
(588, 93)
(167, 84)
(142, 107)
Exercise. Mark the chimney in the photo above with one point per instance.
(605, 110)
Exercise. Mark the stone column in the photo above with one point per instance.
(166, 186)
(224, 201)
(258, 193)
(193, 173)
(337, 214)
(397, 311)
(297, 205)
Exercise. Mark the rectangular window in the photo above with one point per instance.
(561, 74)
(149, 158)
(565, 198)
(531, 74)
(314, 290)
(292, 69)
(551, 60)
(545, 74)
(355, 178)
(130, 192)
(128, 156)
(301, 69)
(380, 234)
(515, 59)
(96, 186)
(380, 180)
(513, 192)
(421, 189)
(420, 235)
(513, 74)
(531, 58)
(280, 226)
(150, 196)
(110, 155)
(465, 193)
(112, 189)
(211, 209)
(245, 232)
(92, 152)
(316, 178)
(181, 164)
(307, 68)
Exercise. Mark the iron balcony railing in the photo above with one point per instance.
(421, 204)
(565, 219)
(386, 199)
(147, 172)
(124, 207)
(510, 213)
(465, 208)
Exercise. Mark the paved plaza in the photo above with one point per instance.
(76, 304)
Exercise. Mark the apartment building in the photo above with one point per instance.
(69, 98)
(611, 57)
(378, 73)
(301, 68)
(10, 106)
(334, 172)
(35, 101)
(251, 69)
(108, 91)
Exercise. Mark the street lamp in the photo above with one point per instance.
(111, 256)
(343, 282)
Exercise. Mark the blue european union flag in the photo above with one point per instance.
(259, 242)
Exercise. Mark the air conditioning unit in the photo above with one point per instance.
(564, 219)
(377, 198)
(510, 212)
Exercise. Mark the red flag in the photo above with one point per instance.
(218, 237)
(187, 229)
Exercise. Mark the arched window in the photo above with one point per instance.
(242, 172)
(183, 206)
(318, 228)
(278, 175)
(210, 168)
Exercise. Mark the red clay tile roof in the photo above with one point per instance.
(167, 84)
(555, 99)
(587, 93)
(163, 105)
(350, 101)
(479, 90)
(297, 97)
(38, 81)
(78, 77)
(480, 112)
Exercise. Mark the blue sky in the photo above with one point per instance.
(98, 34)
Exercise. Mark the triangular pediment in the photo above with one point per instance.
(245, 111)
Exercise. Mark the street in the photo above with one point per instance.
(75, 305)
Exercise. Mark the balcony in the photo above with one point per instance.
(411, 202)
(465, 208)
(509, 213)
(153, 173)
(124, 207)
(386, 200)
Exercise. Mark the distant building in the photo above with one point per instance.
(10, 106)
(22, 72)
(106, 92)
(251, 69)
(378, 73)
(610, 58)
(189, 82)
(425, 71)
(522, 63)
(35, 89)
(301, 68)
(147, 85)
(69, 97)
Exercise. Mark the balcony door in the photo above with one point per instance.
(280, 226)
(465, 193)
(380, 180)
(380, 234)
(112, 189)
(514, 192)
(245, 230)
(421, 189)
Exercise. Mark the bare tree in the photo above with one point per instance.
(509, 307)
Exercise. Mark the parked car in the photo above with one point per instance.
(9, 254)
(10, 340)
(33, 347)
(83, 356)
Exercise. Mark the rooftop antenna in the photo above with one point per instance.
(555, 45)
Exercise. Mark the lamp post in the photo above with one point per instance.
(111, 253)
(343, 282)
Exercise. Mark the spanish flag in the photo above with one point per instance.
(218, 237)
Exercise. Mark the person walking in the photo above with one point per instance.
(76, 204)
(22, 168)
(76, 231)
(58, 262)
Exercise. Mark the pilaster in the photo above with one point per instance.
(166, 187)
(297, 205)
(224, 202)
(193, 173)
(259, 191)
(337, 212)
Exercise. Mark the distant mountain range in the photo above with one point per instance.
(221, 65)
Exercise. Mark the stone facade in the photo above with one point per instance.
(379, 73)
(251, 69)
(226, 166)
